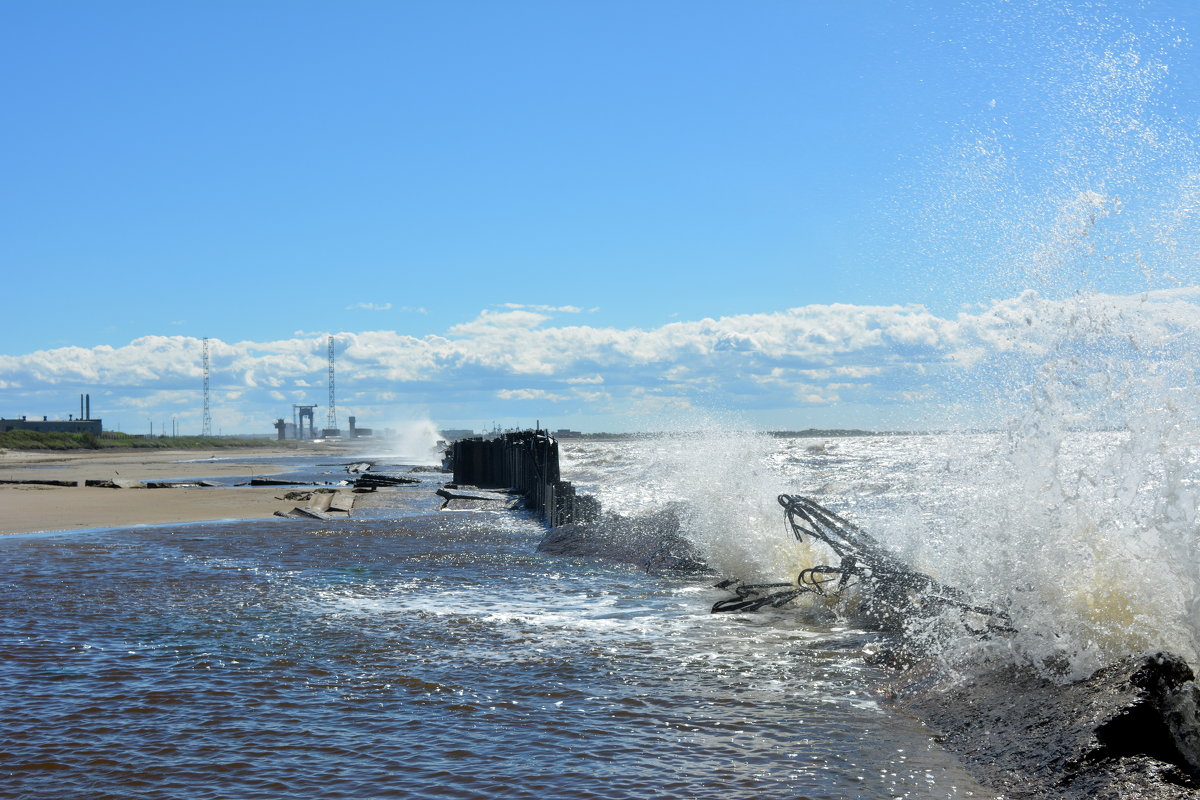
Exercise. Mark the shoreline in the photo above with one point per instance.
(40, 509)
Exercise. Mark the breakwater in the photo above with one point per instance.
(527, 462)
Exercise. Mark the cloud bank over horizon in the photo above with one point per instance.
(839, 365)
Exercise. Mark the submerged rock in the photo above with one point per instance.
(1128, 731)
(651, 541)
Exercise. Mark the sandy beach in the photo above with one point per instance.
(30, 508)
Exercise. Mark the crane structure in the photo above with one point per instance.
(299, 414)
(332, 426)
(206, 420)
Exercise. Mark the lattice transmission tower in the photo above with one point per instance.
(332, 406)
(206, 422)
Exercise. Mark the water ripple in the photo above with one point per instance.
(437, 657)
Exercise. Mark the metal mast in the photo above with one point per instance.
(332, 407)
(206, 423)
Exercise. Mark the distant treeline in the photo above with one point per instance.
(36, 440)
(805, 434)
(813, 433)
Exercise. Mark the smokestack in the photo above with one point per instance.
(352, 434)
(89, 406)
(81, 406)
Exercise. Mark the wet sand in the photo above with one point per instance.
(26, 508)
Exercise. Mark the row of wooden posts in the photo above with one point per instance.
(526, 461)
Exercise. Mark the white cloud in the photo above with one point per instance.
(529, 394)
(156, 400)
(491, 322)
(370, 307)
(545, 309)
(865, 356)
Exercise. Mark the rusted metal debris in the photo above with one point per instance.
(890, 589)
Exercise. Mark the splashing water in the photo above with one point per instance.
(724, 486)
(1077, 198)
(1078, 193)
(415, 441)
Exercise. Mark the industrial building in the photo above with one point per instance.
(297, 429)
(84, 424)
(46, 425)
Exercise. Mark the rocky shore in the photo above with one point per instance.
(1128, 731)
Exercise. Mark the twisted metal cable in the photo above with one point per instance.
(890, 586)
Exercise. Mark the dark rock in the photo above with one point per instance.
(1128, 731)
(652, 541)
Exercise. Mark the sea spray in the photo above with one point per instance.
(414, 441)
(731, 515)
(1081, 515)
(1074, 172)
(721, 483)
(1074, 192)
(1069, 212)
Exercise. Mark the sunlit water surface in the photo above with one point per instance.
(421, 653)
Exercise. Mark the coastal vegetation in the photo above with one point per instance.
(37, 440)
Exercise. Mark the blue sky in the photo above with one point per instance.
(662, 205)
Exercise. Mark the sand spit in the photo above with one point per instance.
(28, 508)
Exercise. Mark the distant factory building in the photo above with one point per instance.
(84, 424)
(45, 425)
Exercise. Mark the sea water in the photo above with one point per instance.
(414, 652)
(437, 654)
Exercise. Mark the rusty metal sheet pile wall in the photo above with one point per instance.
(528, 462)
